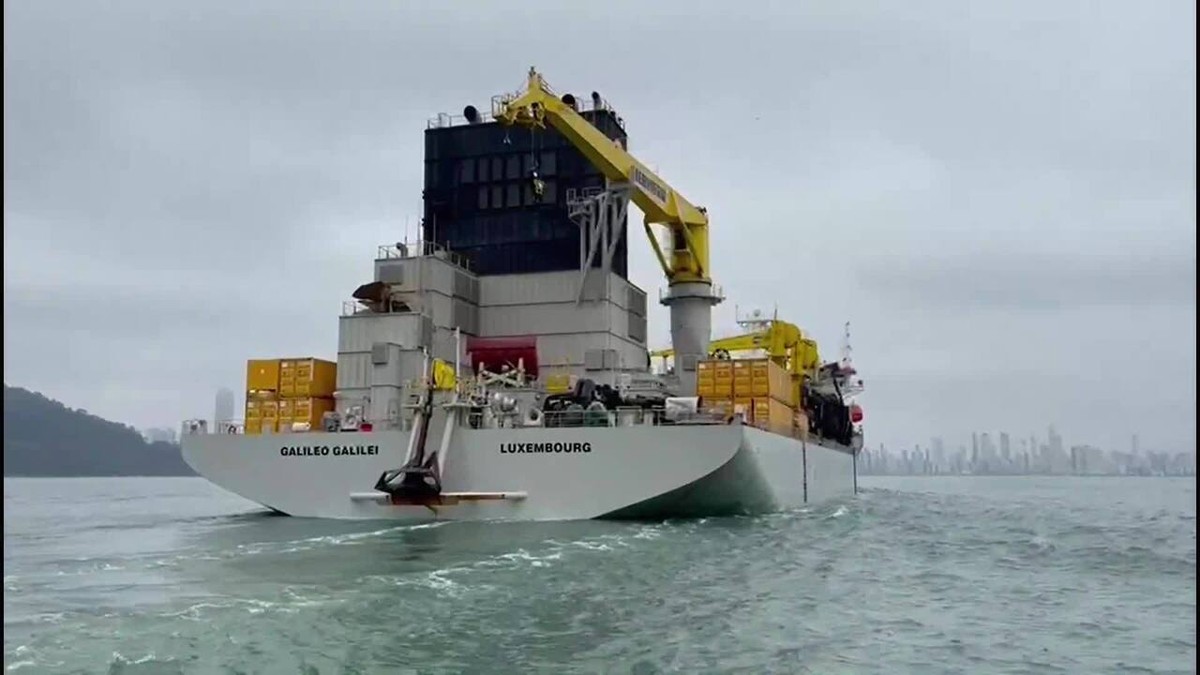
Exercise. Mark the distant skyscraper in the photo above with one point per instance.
(224, 407)
(1005, 446)
(1134, 445)
(1055, 442)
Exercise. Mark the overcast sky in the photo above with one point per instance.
(999, 196)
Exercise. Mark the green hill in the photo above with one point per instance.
(43, 437)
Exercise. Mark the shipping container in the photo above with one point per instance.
(774, 416)
(256, 407)
(769, 379)
(307, 377)
(719, 389)
(261, 416)
(744, 404)
(306, 414)
(723, 375)
(719, 406)
(262, 375)
(714, 379)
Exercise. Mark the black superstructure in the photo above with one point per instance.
(480, 199)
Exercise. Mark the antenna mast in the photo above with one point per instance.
(846, 359)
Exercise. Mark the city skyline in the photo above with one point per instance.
(983, 456)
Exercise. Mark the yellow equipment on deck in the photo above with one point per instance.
(783, 342)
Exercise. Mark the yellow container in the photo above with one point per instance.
(774, 416)
(715, 388)
(742, 379)
(723, 406)
(760, 373)
(767, 379)
(262, 375)
(254, 427)
(256, 408)
(307, 377)
(305, 411)
(270, 409)
(762, 409)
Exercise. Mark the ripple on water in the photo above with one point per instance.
(949, 576)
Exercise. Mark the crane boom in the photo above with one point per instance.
(691, 294)
(661, 204)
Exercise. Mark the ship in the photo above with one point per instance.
(480, 377)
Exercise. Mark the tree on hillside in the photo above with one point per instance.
(43, 437)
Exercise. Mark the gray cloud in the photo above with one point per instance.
(994, 194)
(1036, 282)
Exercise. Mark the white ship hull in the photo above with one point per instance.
(548, 474)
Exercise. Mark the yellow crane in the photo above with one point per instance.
(691, 295)
(784, 344)
(538, 106)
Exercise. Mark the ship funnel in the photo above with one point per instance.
(596, 100)
(569, 99)
(471, 114)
